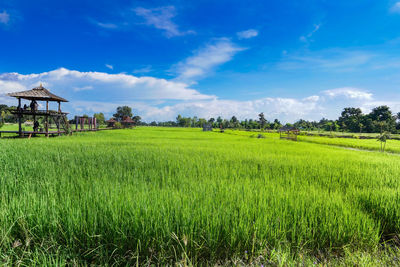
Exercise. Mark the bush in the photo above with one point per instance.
(117, 125)
(260, 136)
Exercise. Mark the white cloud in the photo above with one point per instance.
(145, 69)
(247, 34)
(107, 25)
(8, 86)
(84, 88)
(349, 92)
(309, 35)
(369, 105)
(4, 17)
(160, 99)
(109, 87)
(395, 8)
(327, 60)
(206, 59)
(151, 97)
(285, 109)
(161, 18)
(111, 67)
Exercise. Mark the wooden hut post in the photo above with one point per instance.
(19, 117)
(58, 124)
(47, 119)
(59, 107)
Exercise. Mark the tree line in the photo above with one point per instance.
(351, 119)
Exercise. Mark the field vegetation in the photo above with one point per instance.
(175, 195)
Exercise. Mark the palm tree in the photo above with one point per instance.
(382, 138)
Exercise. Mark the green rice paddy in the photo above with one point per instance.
(183, 196)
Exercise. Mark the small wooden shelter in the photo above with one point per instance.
(127, 122)
(207, 127)
(288, 132)
(40, 94)
(111, 122)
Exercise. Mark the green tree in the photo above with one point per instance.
(276, 124)
(219, 122)
(99, 118)
(137, 119)
(383, 119)
(2, 118)
(382, 138)
(262, 120)
(350, 119)
(234, 122)
(123, 111)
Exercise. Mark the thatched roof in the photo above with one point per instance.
(127, 120)
(38, 93)
(288, 128)
(111, 120)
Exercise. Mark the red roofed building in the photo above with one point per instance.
(111, 122)
(127, 122)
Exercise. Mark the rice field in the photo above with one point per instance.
(182, 196)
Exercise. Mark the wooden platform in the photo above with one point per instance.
(38, 112)
(52, 133)
(29, 134)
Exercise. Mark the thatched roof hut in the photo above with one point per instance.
(288, 132)
(111, 122)
(38, 93)
(127, 122)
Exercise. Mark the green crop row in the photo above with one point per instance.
(168, 195)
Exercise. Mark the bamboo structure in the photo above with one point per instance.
(40, 94)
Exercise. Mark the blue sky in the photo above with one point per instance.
(289, 59)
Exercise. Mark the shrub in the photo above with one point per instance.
(117, 125)
(260, 136)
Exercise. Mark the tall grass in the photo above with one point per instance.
(168, 195)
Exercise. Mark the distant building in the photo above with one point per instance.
(127, 122)
(207, 127)
(288, 132)
(111, 122)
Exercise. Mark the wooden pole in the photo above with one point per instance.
(59, 118)
(34, 123)
(58, 124)
(19, 118)
(47, 119)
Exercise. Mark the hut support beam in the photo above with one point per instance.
(19, 118)
(47, 119)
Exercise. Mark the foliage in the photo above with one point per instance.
(260, 136)
(383, 138)
(350, 119)
(2, 117)
(123, 111)
(117, 125)
(100, 118)
(136, 119)
(262, 120)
